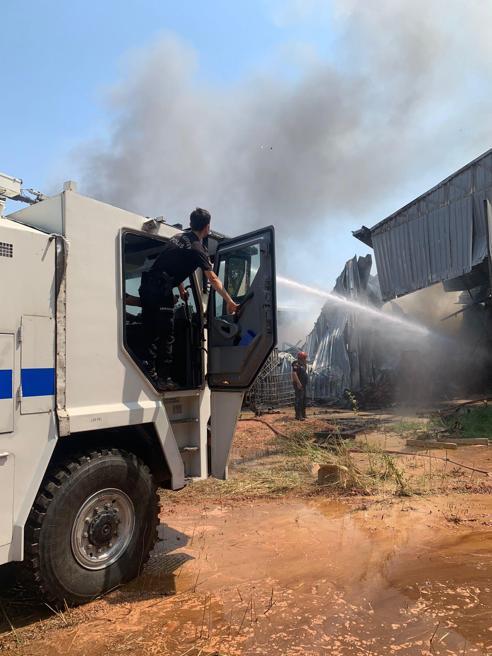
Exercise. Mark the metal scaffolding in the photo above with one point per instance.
(273, 386)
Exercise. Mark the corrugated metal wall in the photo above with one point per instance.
(439, 236)
(340, 346)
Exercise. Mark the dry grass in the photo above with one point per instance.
(293, 472)
(406, 427)
(370, 471)
(275, 476)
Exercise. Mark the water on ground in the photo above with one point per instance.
(297, 577)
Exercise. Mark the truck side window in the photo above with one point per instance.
(237, 271)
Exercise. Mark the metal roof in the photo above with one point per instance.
(439, 236)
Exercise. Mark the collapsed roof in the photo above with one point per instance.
(340, 347)
(440, 236)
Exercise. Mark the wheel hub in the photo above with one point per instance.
(103, 528)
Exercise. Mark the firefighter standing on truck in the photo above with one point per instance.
(300, 381)
(180, 257)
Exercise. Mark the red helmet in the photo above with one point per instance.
(302, 355)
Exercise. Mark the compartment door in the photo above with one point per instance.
(38, 364)
(6, 383)
(239, 345)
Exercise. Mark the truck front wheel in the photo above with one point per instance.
(92, 526)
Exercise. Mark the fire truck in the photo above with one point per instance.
(85, 438)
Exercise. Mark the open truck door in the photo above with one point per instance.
(238, 345)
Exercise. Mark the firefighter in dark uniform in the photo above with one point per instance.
(300, 381)
(180, 257)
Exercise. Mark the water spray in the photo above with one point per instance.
(356, 307)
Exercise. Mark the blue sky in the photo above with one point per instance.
(61, 55)
(61, 59)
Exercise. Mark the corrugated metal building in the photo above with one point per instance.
(440, 236)
(341, 347)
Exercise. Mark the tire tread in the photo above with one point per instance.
(56, 477)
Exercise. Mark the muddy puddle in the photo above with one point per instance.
(307, 578)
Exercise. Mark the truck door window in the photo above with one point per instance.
(219, 301)
(239, 345)
(237, 271)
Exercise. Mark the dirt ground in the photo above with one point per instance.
(270, 562)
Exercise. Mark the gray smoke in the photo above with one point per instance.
(329, 142)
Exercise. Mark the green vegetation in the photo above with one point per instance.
(471, 422)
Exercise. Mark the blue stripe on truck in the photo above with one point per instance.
(5, 383)
(38, 382)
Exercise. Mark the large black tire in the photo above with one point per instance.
(76, 526)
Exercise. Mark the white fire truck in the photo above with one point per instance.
(85, 438)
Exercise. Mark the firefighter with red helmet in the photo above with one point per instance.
(300, 381)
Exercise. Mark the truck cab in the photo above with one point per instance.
(85, 438)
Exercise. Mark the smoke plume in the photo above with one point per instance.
(407, 85)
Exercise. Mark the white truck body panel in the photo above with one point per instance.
(102, 387)
(27, 277)
(37, 364)
(46, 216)
(7, 505)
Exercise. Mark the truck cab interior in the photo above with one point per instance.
(139, 253)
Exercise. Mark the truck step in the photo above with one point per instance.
(177, 395)
(189, 449)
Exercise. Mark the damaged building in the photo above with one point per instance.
(441, 241)
(341, 347)
(435, 250)
(438, 243)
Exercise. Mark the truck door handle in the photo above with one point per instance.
(227, 329)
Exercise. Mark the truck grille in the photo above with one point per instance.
(6, 250)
